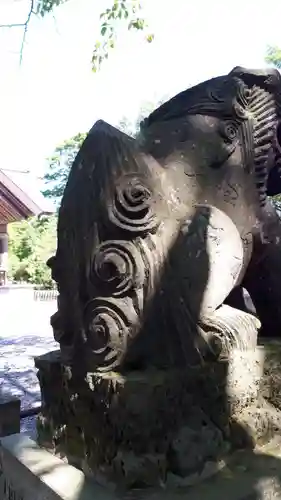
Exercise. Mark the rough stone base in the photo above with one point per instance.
(271, 381)
(142, 429)
(247, 475)
(9, 415)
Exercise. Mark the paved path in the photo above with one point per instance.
(25, 332)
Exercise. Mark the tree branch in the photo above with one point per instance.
(22, 25)
(19, 25)
(31, 11)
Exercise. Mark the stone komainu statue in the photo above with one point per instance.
(155, 233)
(158, 368)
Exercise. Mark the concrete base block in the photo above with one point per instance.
(9, 416)
(28, 472)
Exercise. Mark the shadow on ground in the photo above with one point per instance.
(17, 372)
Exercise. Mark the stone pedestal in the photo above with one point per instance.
(138, 429)
(9, 415)
(271, 383)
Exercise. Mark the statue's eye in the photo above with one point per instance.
(228, 130)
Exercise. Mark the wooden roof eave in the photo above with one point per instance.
(15, 204)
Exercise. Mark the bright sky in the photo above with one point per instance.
(54, 93)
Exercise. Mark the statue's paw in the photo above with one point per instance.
(229, 328)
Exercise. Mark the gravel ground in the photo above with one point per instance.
(28, 427)
(25, 332)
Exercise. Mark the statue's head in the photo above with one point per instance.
(229, 121)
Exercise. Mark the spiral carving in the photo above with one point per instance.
(133, 205)
(229, 130)
(107, 329)
(118, 267)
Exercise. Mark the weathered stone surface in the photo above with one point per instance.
(195, 443)
(9, 415)
(244, 374)
(271, 382)
(129, 427)
(247, 475)
(137, 428)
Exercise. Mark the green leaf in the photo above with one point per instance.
(273, 56)
(120, 10)
(150, 38)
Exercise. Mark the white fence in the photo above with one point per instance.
(45, 295)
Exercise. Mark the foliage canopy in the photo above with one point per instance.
(31, 243)
(273, 56)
